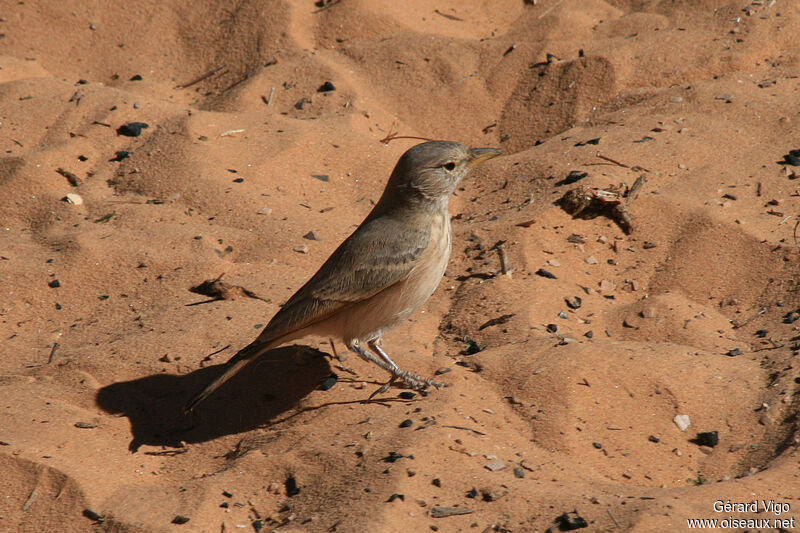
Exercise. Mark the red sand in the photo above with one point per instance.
(585, 425)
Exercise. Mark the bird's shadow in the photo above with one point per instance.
(266, 389)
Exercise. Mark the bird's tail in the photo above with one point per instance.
(244, 357)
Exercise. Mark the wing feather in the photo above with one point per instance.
(380, 253)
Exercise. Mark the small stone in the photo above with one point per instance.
(591, 260)
(310, 236)
(120, 155)
(291, 486)
(589, 334)
(396, 496)
(706, 449)
(648, 245)
(85, 425)
(326, 87)
(707, 438)
(301, 103)
(761, 333)
(494, 466)
(607, 285)
(406, 423)
(552, 328)
(132, 129)
(73, 198)
(180, 519)
(264, 211)
(545, 274)
(436, 482)
(54, 284)
(648, 312)
(653, 438)
(730, 196)
(554, 262)
(321, 177)
(682, 421)
(258, 525)
(676, 99)
(329, 382)
(734, 352)
(440, 371)
(408, 395)
(519, 472)
(574, 303)
(301, 248)
(91, 514)
(439, 511)
(597, 445)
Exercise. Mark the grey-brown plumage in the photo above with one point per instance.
(381, 273)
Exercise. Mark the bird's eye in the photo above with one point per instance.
(449, 166)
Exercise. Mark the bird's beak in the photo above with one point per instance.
(479, 155)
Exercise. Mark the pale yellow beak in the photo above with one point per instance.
(479, 155)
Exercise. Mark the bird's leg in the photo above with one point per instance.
(366, 356)
(409, 378)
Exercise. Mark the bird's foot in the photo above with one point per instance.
(411, 380)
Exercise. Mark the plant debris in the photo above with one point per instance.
(613, 201)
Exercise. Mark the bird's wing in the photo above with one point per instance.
(380, 253)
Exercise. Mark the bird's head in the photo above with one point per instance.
(431, 171)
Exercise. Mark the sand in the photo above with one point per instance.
(549, 408)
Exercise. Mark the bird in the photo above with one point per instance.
(383, 272)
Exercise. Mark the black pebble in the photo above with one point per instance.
(258, 525)
(180, 519)
(91, 514)
(301, 103)
(392, 457)
(472, 493)
(82, 158)
(589, 334)
(519, 472)
(552, 328)
(321, 177)
(396, 496)
(570, 522)
(437, 482)
(132, 129)
(761, 333)
(119, 156)
(329, 382)
(291, 486)
(545, 274)
(734, 352)
(792, 158)
(596, 140)
(238, 180)
(406, 423)
(597, 445)
(138, 77)
(644, 139)
(791, 317)
(574, 303)
(326, 87)
(407, 395)
(55, 284)
(653, 438)
(707, 438)
(310, 236)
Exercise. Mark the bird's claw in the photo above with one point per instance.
(410, 380)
